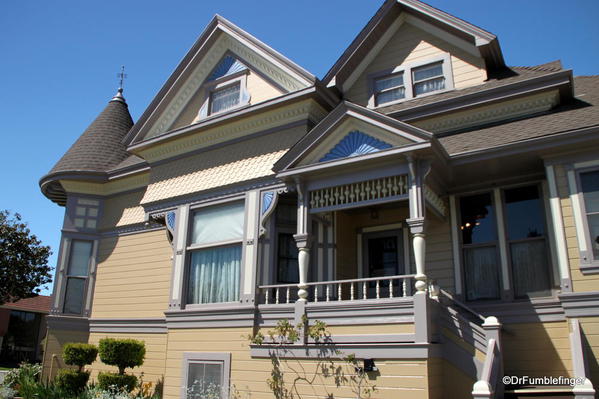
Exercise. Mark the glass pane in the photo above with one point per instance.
(214, 275)
(478, 219)
(73, 299)
(593, 221)
(530, 269)
(590, 189)
(218, 223)
(428, 71)
(429, 85)
(390, 95)
(388, 82)
(225, 98)
(204, 381)
(383, 256)
(481, 272)
(288, 268)
(79, 260)
(523, 213)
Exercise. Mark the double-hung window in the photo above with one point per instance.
(76, 276)
(215, 253)
(589, 186)
(206, 375)
(224, 98)
(409, 81)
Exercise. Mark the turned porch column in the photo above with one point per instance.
(417, 171)
(303, 239)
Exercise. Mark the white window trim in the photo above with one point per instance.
(506, 279)
(206, 357)
(209, 87)
(588, 263)
(406, 69)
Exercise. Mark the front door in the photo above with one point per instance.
(383, 256)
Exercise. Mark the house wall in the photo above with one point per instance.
(55, 340)
(590, 330)
(580, 282)
(153, 368)
(411, 44)
(121, 210)
(133, 276)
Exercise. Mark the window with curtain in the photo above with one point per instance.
(479, 247)
(205, 380)
(225, 98)
(526, 241)
(428, 78)
(389, 88)
(589, 185)
(215, 260)
(76, 278)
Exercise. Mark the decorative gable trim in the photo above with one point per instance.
(353, 144)
(228, 66)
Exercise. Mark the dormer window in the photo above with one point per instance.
(224, 98)
(409, 81)
(428, 78)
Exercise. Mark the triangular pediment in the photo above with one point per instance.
(350, 131)
(222, 50)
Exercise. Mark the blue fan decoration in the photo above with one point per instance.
(267, 198)
(355, 143)
(227, 66)
(170, 221)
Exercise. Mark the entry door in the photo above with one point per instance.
(383, 256)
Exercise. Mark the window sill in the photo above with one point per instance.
(403, 100)
(542, 309)
(589, 268)
(227, 314)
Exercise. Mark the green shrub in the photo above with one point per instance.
(108, 381)
(122, 353)
(78, 354)
(72, 381)
(25, 373)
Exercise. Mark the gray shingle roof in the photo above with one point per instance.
(100, 147)
(582, 112)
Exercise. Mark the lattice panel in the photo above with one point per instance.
(354, 193)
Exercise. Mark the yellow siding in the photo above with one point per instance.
(55, 340)
(153, 367)
(454, 381)
(122, 210)
(590, 329)
(411, 44)
(537, 349)
(580, 282)
(133, 277)
(397, 378)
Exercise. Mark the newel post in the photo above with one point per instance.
(417, 170)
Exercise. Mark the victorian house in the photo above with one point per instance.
(436, 208)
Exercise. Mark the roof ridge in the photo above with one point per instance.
(555, 65)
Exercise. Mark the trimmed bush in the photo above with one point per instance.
(122, 381)
(122, 353)
(72, 381)
(78, 354)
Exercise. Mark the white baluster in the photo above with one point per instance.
(404, 286)
(277, 296)
(287, 296)
(364, 290)
(339, 291)
(328, 293)
(390, 288)
(266, 295)
(378, 290)
(315, 293)
(351, 292)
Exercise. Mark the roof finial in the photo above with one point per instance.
(119, 95)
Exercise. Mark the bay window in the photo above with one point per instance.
(215, 250)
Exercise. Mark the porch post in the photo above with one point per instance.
(302, 239)
(416, 220)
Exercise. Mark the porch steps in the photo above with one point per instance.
(537, 392)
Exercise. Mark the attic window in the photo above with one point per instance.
(224, 98)
(428, 78)
(389, 88)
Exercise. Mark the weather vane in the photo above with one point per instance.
(122, 76)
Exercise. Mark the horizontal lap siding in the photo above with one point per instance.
(133, 277)
(537, 349)
(398, 378)
(409, 45)
(55, 341)
(153, 367)
(439, 255)
(580, 282)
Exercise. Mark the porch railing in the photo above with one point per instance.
(341, 290)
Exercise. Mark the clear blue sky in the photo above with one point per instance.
(59, 59)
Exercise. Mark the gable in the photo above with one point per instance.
(222, 50)
(410, 42)
(353, 144)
